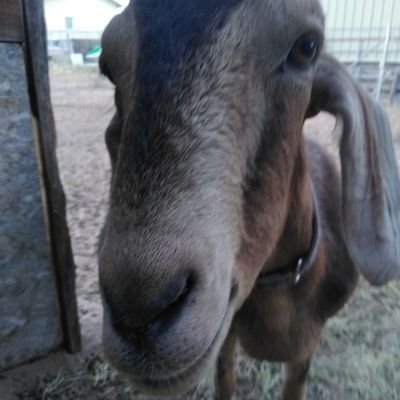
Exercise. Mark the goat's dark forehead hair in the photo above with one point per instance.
(170, 30)
(170, 33)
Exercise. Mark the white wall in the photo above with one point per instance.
(88, 15)
(363, 15)
(356, 29)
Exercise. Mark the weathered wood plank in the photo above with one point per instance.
(11, 28)
(29, 316)
(38, 77)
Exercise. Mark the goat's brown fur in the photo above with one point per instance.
(212, 185)
(285, 323)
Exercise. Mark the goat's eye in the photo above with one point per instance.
(304, 51)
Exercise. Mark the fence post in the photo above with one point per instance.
(382, 63)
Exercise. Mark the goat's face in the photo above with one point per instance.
(211, 98)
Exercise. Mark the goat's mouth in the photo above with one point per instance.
(189, 376)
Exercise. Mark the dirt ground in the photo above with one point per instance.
(359, 357)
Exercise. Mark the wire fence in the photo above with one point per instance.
(357, 29)
(366, 35)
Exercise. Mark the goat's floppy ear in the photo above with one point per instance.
(370, 178)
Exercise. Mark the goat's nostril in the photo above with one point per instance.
(139, 319)
(170, 305)
(172, 293)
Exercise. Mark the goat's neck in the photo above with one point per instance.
(298, 229)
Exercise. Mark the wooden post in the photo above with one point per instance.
(11, 22)
(38, 78)
(37, 288)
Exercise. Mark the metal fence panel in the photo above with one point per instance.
(356, 29)
(366, 35)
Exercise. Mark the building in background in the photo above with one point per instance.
(365, 34)
(357, 29)
(75, 26)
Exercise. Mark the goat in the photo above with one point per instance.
(224, 222)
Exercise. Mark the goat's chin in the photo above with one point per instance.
(178, 383)
(190, 375)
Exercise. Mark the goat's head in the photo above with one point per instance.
(211, 96)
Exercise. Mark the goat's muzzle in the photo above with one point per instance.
(165, 317)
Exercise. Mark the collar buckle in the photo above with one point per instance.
(294, 271)
(299, 271)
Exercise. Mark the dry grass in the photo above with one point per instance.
(359, 359)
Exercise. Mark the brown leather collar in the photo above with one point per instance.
(292, 273)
